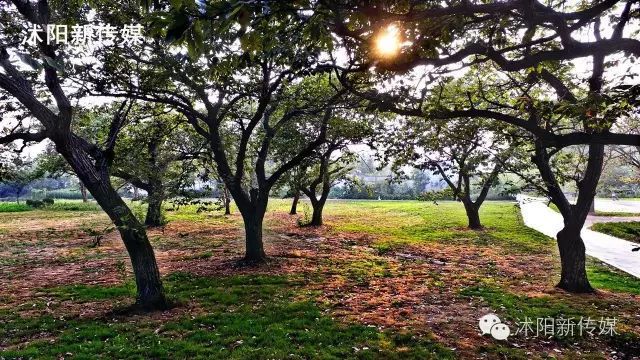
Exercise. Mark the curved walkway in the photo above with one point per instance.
(611, 250)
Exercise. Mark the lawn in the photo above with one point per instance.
(381, 280)
(624, 230)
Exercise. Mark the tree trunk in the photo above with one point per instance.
(316, 218)
(592, 208)
(18, 197)
(83, 192)
(573, 277)
(154, 210)
(227, 201)
(254, 249)
(150, 292)
(473, 215)
(143, 261)
(294, 204)
(252, 209)
(572, 257)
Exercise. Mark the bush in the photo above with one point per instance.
(305, 219)
(444, 194)
(48, 201)
(36, 204)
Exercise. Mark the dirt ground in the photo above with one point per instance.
(417, 288)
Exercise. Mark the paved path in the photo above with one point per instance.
(593, 219)
(622, 205)
(611, 250)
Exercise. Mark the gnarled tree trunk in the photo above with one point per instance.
(573, 277)
(316, 217)
(318, 205)
(150, 292)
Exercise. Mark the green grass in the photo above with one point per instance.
(59, 205)
(398, 223)
(256, 317)
(624, 230)
(616, 213)
(13, 207)
(73, 205)
(605, 277)
(514, 310)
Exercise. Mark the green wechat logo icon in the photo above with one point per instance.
(491, 324)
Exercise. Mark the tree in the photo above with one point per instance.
(48, 104)
(56, 166)
(237, 98)
(333, 163)
(463, 152)
(531, 47)
(292, 183)
(20, 173)
(630, 155)
(157, 152)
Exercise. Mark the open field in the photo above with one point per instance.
(382, 279)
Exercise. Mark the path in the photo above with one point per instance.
(592, 219)
(611, 250)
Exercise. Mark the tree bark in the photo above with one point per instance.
(318, 207)
(83, 192)
(149, 285)
(227, 201)
(154, 209)
(150, 292)
(573, 277)
(294, 204)
(473, 215)
(254, 249)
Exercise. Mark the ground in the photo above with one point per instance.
(382, 279)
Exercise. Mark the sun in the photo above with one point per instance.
(388, 42)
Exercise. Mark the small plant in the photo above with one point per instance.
(97, 235)
(305, 219)
(139, 211)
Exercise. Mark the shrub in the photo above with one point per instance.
(305, 219)
(48, 201)
(444, 194)
(36, 204)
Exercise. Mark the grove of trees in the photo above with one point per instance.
(274, 95)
